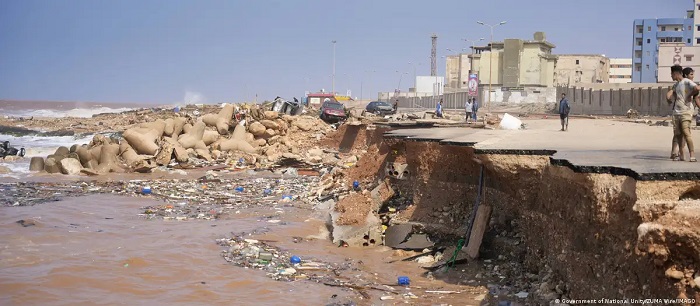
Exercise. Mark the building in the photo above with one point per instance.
(650, 33)
(581, 68)
(518, 70)
(620, 70)
(677, 54)
(516, 63)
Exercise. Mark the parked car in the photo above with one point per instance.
(380, 108)
(333, 112)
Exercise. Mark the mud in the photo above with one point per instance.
(556, 232)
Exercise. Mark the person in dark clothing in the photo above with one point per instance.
(564, 109)
(396, 106)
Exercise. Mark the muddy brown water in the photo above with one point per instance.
(95, 250)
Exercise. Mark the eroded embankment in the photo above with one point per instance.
(602, 235)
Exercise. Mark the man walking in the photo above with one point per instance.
(468, 107)
(438, 109)
(564, 110)
(680, 97)
(475, 108)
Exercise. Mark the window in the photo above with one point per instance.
(688, 58)
(640, 29)
(662, 39)
(697, 40)
(648, 29)
(637, 54)
(638, 67)
(647, 67)
(663, 28)
(698, 28)
(675, 29)
(648, 54)
(688, 40)
(648, 41)
(577, 62)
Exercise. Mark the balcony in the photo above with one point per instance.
(667, 34)
(637, 60)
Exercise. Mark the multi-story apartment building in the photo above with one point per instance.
(650, 33)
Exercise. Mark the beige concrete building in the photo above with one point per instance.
(572, 69)
(516, 63)
(620, 70)
(677, 54)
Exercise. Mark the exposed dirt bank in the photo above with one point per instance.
(566, 234)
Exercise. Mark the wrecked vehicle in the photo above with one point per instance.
(7, 150)
(287, 107)
(380, 108)
(333, 112)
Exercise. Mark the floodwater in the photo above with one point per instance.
(96, 250)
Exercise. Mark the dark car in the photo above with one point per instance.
(380, 108)
(333, 111)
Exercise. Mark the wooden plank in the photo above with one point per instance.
(481, 222)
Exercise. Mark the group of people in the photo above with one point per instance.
(681, 97)
(470, 107)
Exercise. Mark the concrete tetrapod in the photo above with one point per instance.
(36, 163)
(142, 143)
(108, 159)
(129, 155)
(221, 120)
(238, 141)
(193, 138)
(210, 137)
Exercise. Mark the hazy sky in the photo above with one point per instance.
(162, 51)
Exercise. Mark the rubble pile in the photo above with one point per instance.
(259, 137)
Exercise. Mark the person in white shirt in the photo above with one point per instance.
(468, 107)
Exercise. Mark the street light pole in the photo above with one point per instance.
(333, 81)
(490, 58)
(471, 60)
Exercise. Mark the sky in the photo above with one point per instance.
(169, 51)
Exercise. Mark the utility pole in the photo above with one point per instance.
(433, 56)
(490, 58)
(333, 81)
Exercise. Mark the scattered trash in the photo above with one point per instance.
(510, 123)
(404, 281)
(522, 294)
(239, 189)
(295, 259)
(356, 185)
(146, 190)
(267, 192)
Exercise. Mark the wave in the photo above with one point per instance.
(76, 112)
(37, 146)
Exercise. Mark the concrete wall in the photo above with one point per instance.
(484, 61)
(677, 54)
(574, 69)
(526, 95)
(647, 100)
(512, 55)
(452, 71)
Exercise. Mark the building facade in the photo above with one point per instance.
(650, 33)
(574, 69)
(620, 70)
(513, 63)
(677, 54)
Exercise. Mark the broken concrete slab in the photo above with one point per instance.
(397, 234)
(416, 242)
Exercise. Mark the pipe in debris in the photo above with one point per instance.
(476, 206)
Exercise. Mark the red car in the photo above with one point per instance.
(333, 112)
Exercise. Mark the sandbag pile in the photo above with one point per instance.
(259, 136)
